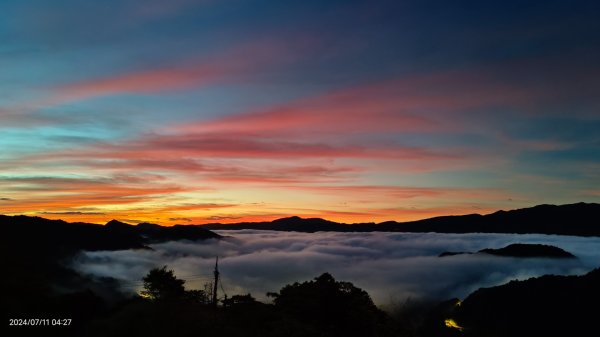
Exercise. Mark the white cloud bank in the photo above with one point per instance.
(390, 266)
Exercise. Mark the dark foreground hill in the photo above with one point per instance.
(544, 306)
(581, 219)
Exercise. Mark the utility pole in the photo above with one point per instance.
(215, 284)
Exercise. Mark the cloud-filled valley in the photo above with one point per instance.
(390, 266)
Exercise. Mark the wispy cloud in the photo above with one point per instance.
(410, 104)
(72, 213)
(46, 194)
(235, 63)
(181, 219)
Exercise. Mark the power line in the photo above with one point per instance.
(185, 278)
(135, 284)
(223, 290)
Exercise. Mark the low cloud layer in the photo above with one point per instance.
(390, 266)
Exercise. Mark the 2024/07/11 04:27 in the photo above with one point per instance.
(39, 321)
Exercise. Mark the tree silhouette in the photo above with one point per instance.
(161, 284)
(332, 307)
(197, 296)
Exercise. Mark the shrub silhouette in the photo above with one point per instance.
(161, 284)
(239, 300)
(197, 296)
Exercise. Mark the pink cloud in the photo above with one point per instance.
(147, 81)
(234, 146)
(231, 64)
(316, 128)
(429, 103)
(330, 127)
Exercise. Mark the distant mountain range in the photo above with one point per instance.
(57, 237)
(580, 219)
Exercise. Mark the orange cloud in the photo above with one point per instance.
(49, 194)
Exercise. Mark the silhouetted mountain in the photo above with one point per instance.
(529, 250)
(57, 237)
(61, 237)
(291, 224)
(116, 224)
(523, 250)
(444, 254)
(153, 233)
(148, 226)
(544, 306)
(573, 219)
(34, 244)
(177, 232)
(581, 219)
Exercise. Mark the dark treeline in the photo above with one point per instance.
(319, 307)
(544, 306)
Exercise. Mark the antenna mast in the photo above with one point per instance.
(216, 282)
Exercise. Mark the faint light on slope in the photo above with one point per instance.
(450, 323)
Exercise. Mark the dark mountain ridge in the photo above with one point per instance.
(289, 224)
(580, 219)
(529, 250)
(521, 250)
(58, 237)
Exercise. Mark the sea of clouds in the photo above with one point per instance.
(392, 267)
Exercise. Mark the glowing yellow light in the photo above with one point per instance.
(452, 324)
(144, 295)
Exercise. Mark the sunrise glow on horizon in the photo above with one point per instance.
(190, 112)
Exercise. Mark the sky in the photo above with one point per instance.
(204, 111)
